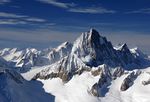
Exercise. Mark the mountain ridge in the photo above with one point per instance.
(90, 66)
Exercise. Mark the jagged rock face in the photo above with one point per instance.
(23, 59)
(94, 49)
(89, 50)
(129, 80)
(94, 90)
(146, 82)
(126, 84)
(102, 80)
(99, 88)
(60, 52)
(38, 58)
(30, 57)
(117, 72)
(126, 55)
(65, 76)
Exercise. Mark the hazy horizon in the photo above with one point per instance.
(45, 23)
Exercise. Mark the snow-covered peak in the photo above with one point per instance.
(88, 41)
(137, 52)
(93, 33)
(93, 49)
(31, 50)
(91, 67)
(6, 51)
(120, 46)
(63, 46)
(124, 47)
(90, 49)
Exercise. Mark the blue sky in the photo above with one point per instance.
(44, 23)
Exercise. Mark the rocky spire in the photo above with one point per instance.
(93, 49)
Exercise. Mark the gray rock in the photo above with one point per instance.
(146, 82)
(129, 80)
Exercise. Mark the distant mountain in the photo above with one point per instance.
(30, 57)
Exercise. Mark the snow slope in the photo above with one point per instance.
(78, 88)
(13, 88)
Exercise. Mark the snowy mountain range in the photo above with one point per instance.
(89, 70)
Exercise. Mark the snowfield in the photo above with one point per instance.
(78, 89)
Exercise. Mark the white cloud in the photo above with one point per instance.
(91, 10)
(11, 22)
(72, 7)
(145, 11)
(11, 15)
(58, 4)
(4, 1)
(35, 20)
(12, 19)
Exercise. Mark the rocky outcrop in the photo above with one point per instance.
(103, 83)
(94, 90)
(129, 80)
(117, 72)
(146, 82)
(96, 72)
(65, 76)
(62, 74)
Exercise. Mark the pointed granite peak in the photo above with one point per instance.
(65, 45)
(93, 31)
(93, 34)
(124, 47)
(89, 41)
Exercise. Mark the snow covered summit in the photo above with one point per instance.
(89, 50)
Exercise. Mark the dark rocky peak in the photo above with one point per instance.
(125, 48)
(93, 31)
(126, 55)
(129, 80)
(93, 49)
(90, 39)
(89, 42)
(93, 36)
(95, 39)
(122, 48)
